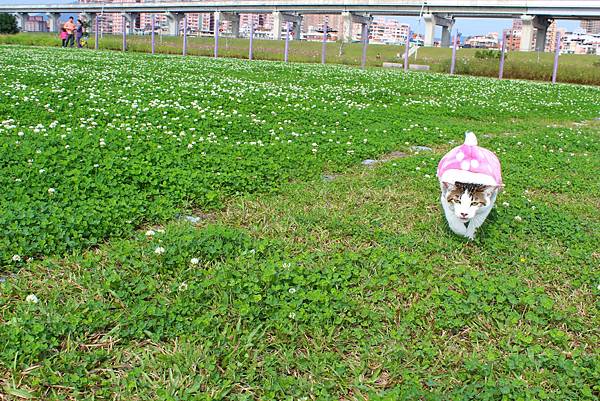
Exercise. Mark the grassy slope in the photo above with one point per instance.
(573, 68)
(340, 289)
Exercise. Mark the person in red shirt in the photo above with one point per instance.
(70, 28)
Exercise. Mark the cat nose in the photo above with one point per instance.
(463, 214)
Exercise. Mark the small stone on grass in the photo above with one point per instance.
(419, 148)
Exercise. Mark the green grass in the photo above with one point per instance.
(293, 285)
(581, 69)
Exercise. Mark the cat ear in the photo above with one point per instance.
(490, 189)
(447, 186)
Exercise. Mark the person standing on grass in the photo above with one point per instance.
(79, 33)
(63, 36)
(70, 28)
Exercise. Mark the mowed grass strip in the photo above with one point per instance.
(348, 287)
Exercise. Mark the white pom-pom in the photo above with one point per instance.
(470, 139)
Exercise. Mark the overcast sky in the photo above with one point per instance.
(466, 26)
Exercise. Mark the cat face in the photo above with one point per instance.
(466, 199)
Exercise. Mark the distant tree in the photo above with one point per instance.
(8, 24)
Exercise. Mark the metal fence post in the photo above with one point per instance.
(365, 39)
(124, 34)
(217, 23)
(153, 22)
(185, 25)
(96, 44)
(453, 64)
(406, 50)
(556, 54)
(502, 56)
(324, 47)
(250, 50)
(287, 42)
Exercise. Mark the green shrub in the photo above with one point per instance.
(8, 24)
(488, 54)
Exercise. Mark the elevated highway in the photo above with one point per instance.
(535, 14)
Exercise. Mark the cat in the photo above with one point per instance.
(470, 179)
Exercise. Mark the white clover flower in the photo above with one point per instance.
(150, 233)
(195, 261)
(292, 290)
(159, 250)
(51, 191)
(292, 315)
(32, 298)
(505, 204)
(16, 258)
(518, 218)
(183, 286)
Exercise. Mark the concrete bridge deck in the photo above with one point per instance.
(563, 9)
(536, 15)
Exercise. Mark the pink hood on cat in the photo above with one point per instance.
(470, 163)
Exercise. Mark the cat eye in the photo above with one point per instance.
(476, 203)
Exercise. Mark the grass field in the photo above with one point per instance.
(195, 229)
(581, 69)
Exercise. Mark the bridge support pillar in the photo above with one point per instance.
(531, 22)
(130, 19)
(279, 18)
(21, 20)
(297, 28)
(53, 21)
(446, 36)
(173, 21)
(89, 18)
(542, 31)
(431, 20)
(233, 18)
(235, 27)
(348, 21)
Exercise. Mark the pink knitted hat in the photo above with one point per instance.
(470, 163)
